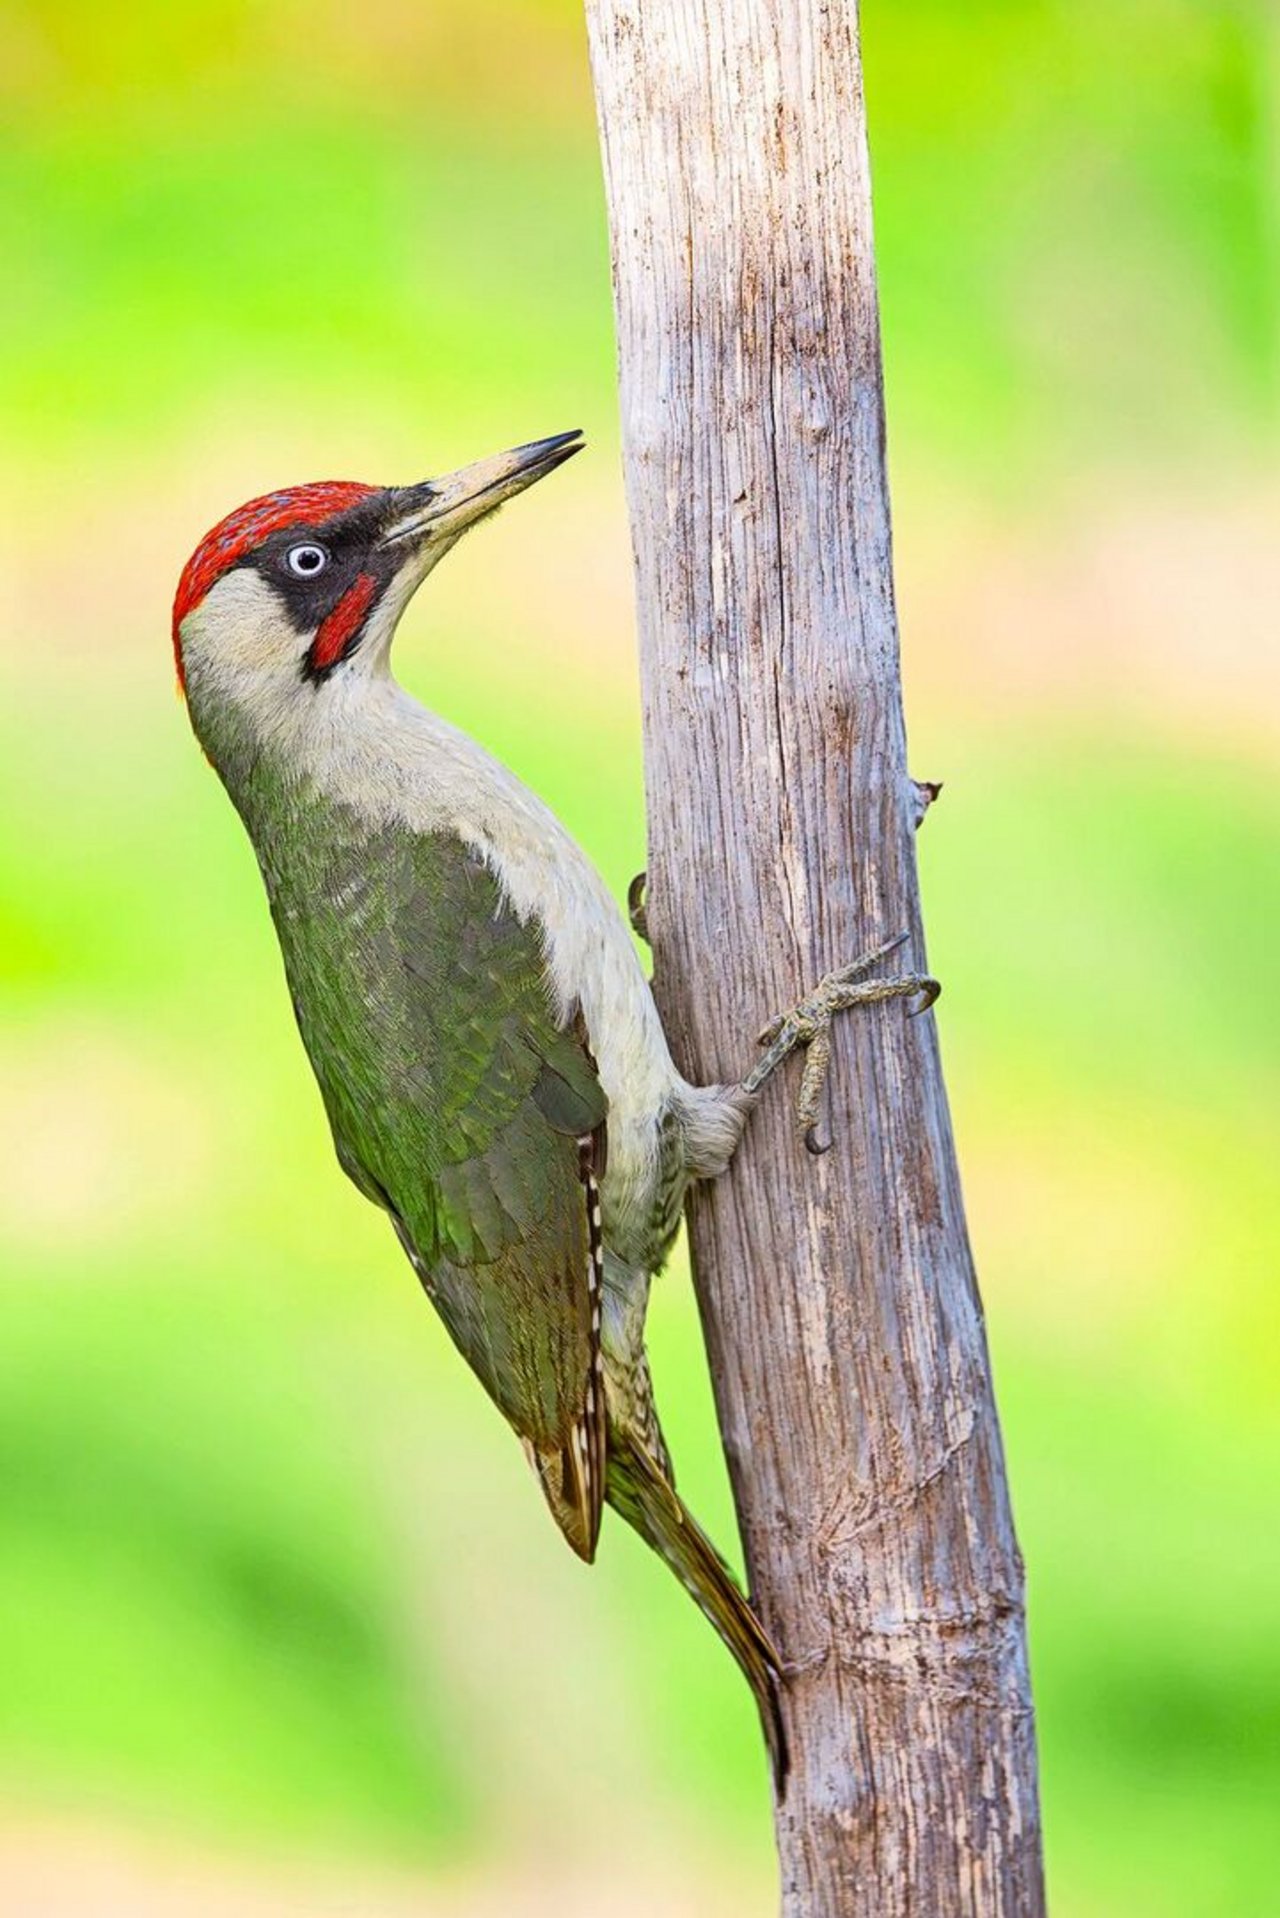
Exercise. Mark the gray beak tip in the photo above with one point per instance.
(462, 498)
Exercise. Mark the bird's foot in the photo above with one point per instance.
(807, 1027)
(637, 906)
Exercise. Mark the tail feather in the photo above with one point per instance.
(638, 1491)
(566, 1471)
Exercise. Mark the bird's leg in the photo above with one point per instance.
(807, 1026)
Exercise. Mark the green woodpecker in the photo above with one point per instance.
(490, 1057)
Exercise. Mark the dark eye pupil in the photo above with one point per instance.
(306, 560)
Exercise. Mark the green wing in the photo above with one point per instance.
(460, 1104)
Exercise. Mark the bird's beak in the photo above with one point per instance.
(449, 506)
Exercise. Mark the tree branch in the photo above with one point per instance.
(838, 1296)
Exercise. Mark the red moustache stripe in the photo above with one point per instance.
(340, 630)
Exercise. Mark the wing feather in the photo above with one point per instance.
(461, 1102)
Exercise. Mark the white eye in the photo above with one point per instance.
(306, 561)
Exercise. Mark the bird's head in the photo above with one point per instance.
(303, 588)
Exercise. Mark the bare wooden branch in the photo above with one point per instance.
(838, 1296)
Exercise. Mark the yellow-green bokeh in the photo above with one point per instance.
(274, 1580)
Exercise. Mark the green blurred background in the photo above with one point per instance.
(283, 1624)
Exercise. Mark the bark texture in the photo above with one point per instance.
(838, 1295)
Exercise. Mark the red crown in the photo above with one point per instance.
(246, 528)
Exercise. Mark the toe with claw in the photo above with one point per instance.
(807, 1027)
(638, 906)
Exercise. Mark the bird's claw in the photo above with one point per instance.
(637, 906)
(807, 1027)
(929, 991)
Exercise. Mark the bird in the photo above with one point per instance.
(487, 1047)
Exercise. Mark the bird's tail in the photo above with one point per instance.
(640, 1492)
